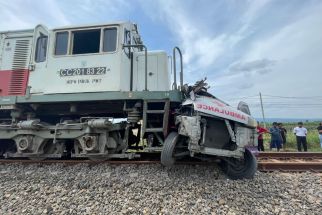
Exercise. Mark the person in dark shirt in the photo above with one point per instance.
(283, 134)
(276, 138)
(320, 133)
(260, 132)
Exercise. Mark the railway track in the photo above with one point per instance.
(267, 161)
(91, 162)
(290, 161)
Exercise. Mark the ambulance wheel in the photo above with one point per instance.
(174, 147)
(240, 168)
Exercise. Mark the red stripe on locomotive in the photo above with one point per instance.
(13, 82)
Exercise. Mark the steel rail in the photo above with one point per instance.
(267, 162)
(288, 155)
(289, 161)
(91, 162)
(293, 166)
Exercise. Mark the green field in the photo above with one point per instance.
(312, 137)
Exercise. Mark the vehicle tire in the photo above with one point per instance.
(167, 154)
(241, 169)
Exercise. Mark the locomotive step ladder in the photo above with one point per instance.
(156, 116)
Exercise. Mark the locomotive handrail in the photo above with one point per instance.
(146, 60)
(175, 68)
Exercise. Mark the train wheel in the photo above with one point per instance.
(49, 148)
(240, 169)
(101, 158)
(173, 148)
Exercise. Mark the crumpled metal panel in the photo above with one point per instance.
(218, 108)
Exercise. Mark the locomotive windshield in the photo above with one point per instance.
(86, 41)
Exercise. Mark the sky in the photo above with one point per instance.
(243, 47)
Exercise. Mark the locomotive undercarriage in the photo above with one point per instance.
(71, 131)
(94, 138)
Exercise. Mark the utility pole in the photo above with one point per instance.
(260, 97)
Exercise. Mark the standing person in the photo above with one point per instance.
(300, 133)
(276, 138)
(283, 134)
(260, 131)
(320, 133)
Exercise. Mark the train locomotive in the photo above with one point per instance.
(96, 92)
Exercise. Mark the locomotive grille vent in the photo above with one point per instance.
(21, 54)
(1, 48)
(19, 74)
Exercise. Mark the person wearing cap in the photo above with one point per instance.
(300, 133)
(276, 137)
(320, 133)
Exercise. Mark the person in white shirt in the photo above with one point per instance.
(300, 133)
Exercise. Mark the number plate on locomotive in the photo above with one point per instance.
(83, 71)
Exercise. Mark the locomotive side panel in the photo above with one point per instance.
(14, 61)
(158, 74)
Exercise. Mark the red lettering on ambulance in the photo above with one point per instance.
(221, 111)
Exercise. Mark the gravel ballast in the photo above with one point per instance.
(153, 189)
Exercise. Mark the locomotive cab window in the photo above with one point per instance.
(41, 49)
(110, 37)
(61, 43)
(87, 41)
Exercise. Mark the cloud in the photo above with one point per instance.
(27, 14)
(261, 66)
(203, 44)
(56, 13)
(290, 40)
(96, 11)
(283, 60)
(244, 85)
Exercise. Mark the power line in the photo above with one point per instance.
(284, 107)
(287, 104)
(294, 97)
(245, 97)
(266, 96)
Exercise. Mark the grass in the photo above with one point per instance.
(313, 141)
